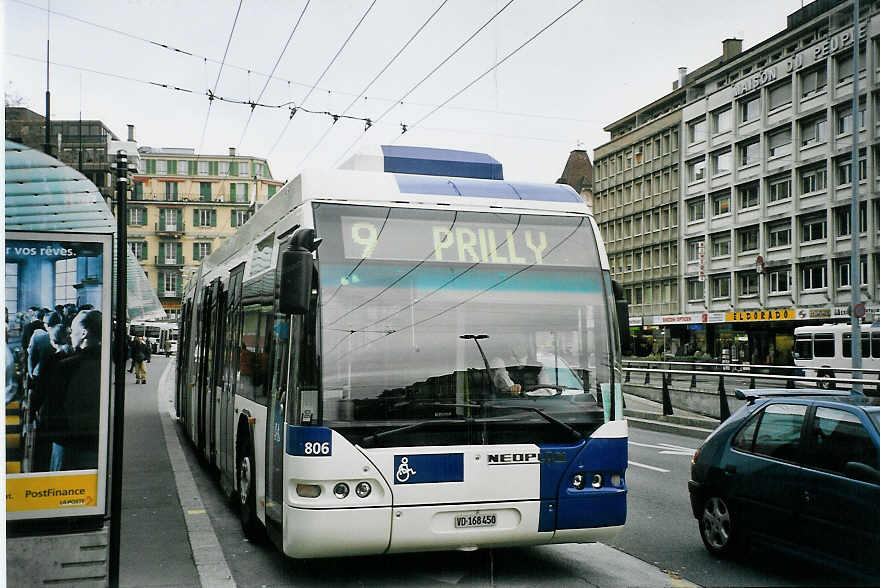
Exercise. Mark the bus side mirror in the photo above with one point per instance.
(622, 307)
(297, 266)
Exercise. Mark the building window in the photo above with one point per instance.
(172, 167)
(637, 260)
(170, 253)
(204, 168)
(637, 295)
(238, 218)
(183, 168)
(720, 245)
(748, 239)
(137, 192)
(780, 281)
(65, 281)
(720, 287)
(12, 288)
(844, 64)
(721, 120)
(171, 191)
(814, 80)
(161, 167)
(721, 203)
(696, 209)
(138, 249)
(813, 276)
(814, 131)
(844, 168)
(748, 195)
(721, 162)
(693, 249)
(814, 179)
(779, 142)
(696, 170)
(842, 220)
(201, 251)
(843, 277)
(137, 216)
(694, 290)
(779, 235)
(205, 191)
(748, 283)
(844, 118)
(168, 282)
(204, 217)
(749, 109)
(696, 131)
(224, 168)
(750, 152)
(779, 95)
(813, 229)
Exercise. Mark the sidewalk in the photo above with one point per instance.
(642, 413)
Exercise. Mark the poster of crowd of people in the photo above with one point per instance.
(58, 321)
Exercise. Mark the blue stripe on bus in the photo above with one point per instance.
(428, 468)
(405, 159)
(298, 437)
(594, 507)
(378, 276)
(476, 188)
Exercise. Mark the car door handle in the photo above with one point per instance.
(729, 470)
(807, 496)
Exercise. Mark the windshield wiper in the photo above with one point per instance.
(369, 439)
(574, 432)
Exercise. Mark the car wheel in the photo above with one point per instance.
(717, 527)
(247, 512)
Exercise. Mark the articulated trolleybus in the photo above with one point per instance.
(410, 354)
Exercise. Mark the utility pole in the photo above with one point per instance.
(855, 281)
(47, 148)
(119, 366)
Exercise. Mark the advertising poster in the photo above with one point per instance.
(58, 322)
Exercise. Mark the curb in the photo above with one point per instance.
(667, 427)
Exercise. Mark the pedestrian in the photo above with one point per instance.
(129, 346)
(139, 354)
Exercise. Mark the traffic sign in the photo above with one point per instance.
(859, 310)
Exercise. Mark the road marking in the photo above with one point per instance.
(667, 448)
(642, 465)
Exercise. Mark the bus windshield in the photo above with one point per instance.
(460, 317)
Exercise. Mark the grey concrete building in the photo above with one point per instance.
(761, 203)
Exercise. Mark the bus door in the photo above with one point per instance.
(214, 329)
(217, 372)
(204, 360)
(230, 377)
(183, 359)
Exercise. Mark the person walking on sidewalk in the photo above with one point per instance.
(140, 352)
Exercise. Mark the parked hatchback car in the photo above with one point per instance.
(795, 470)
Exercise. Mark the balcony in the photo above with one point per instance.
(170, 293)
(172, 262)
(170, 229)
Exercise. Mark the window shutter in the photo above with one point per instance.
(161, 253)
(144, 251)
(213, 168)
(233, 168)
(179, 252)
(233, 219)
(172, 167)
(161, 219)
(246, 186)
(232, 192)
(195, 217)
(213, 218)
(272, 188)
(195, 251)
(180, 219)
(151, 166)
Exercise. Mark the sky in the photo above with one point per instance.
(367, 59)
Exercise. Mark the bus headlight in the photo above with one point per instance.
(363, 489)
(308, 490)
(616, 480)
(578, 481)
(596, 481)
(340, 490)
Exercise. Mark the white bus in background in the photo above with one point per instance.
(156, 334)
(825, 351)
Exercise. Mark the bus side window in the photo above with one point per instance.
(823, 345)
(875, 344)
(803, 347)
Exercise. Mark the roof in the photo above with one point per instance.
(840, 396)
(43, 194)
(431, 161)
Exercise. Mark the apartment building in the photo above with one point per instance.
(183, 205)
(763, 197)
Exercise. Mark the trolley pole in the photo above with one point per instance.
(855, 269)
(119, 365)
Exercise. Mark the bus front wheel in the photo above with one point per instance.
(250, 524)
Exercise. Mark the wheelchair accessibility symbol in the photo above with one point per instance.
(404, 471)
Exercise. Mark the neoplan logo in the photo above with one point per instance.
(525, 458)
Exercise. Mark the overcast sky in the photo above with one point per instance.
(598, 63)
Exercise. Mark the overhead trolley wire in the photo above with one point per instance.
(277, 61)
(424, 79)
(321, 77)
(496, 65)
(373, 81)
(204, 58)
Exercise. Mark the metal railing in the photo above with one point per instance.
(789, 380)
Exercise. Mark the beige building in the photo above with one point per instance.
(183, 205)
